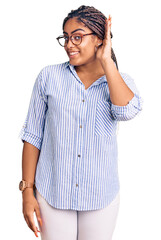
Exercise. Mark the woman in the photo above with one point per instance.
(69, 135)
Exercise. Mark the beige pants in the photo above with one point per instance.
(60, 224)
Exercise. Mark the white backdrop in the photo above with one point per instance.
(28, 43)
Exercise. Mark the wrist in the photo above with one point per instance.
(25, 184)
(107, 61)
(27, 191)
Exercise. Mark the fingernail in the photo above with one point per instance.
(36, 234)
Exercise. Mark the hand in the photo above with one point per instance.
(30, 205)
(104, 51)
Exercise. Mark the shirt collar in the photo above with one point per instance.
(98, 81)
(66, 64)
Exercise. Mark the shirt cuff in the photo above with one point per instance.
(128, 111)
(30, 138)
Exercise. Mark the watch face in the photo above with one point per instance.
(21, 185)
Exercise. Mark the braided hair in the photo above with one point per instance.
(94, 20)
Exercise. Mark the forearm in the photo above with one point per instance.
(120, 93)
(30, 156)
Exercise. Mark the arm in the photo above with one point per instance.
(124, 97)
(30, 157)
(33, 127)
(32, 136)
(120, 93)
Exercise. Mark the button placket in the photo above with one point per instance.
(82, 113)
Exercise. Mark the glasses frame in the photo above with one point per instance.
(81, 35)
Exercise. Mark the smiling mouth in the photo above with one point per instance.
(72, 54)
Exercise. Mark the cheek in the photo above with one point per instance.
(88, 50)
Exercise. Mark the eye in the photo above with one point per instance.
(77, 37)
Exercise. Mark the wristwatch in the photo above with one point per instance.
(24, 184)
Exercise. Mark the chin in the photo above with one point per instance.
(75, 62)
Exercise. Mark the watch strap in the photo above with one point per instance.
(30, 185)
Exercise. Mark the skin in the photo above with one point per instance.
(30, 205)
(91, 63)
(85, 62)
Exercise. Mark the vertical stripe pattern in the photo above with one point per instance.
(75, 130)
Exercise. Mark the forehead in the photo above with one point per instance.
(72, 24)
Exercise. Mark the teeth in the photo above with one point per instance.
(73, 53)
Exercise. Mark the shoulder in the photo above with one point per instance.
(50, 73)
(54, 68)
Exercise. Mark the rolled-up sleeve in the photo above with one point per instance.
(129, 111)
(33, 127)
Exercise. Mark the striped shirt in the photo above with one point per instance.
(75, 130)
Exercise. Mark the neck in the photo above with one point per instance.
(92, 68)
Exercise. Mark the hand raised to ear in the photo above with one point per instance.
(104, 51)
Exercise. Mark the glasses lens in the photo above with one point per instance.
(63, 41)
(76, 39)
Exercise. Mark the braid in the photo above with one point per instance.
(94, 20)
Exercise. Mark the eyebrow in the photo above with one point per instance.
(75, 30)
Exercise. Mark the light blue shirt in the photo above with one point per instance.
(75, 130)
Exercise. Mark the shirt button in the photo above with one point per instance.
(79, 155)
(83, 100)
(80, 126)
(76, 185)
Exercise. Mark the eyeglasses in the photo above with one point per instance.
(75, 38)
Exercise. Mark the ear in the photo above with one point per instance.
(99, 42)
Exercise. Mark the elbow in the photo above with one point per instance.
(124, 113)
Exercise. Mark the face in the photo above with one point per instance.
(85, 52)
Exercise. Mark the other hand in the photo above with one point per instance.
(30, 205)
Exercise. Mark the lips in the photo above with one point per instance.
(73, 53)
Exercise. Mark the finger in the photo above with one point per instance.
(27, 221)
(32, 223)
(107, 29)
(38, 215)
(109, 18)
(109, 26)
(29, 225)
